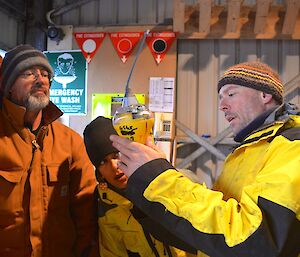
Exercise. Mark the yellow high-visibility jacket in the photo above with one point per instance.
(121, 235)
(254, 207)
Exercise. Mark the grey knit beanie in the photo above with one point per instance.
(19, 59)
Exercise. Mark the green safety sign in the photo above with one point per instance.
(68, 89)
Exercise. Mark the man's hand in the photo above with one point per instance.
(134, 155)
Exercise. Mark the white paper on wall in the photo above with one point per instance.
(161, 94)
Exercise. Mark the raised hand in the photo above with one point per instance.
(133, 155)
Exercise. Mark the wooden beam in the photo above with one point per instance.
(246, 24)
(261, 17)
(290, 17)
(291, 85)
(123, 28)
(178, 15)
(204, 15)
(196, 154)
(205, 144)
(236, 19)
(233, 16)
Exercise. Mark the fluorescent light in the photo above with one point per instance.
(2, 53)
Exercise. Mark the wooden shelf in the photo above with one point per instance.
(264, 20)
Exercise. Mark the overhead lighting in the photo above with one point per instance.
(2, 53)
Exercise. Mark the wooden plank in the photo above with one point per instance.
(233, 16)
(261, 17)
(122, 28)
(291, 85)
(290, 17)
(178, 15)
(201, 150)
(201, 141)
(205, 15)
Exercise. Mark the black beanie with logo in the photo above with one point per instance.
(96, 139)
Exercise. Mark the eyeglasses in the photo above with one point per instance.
(34, 75)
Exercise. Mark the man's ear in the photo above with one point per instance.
(266, 98)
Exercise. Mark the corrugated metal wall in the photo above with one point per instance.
(9, 27)
(117, 12)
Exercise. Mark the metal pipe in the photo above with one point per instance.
(61, 10)
(127, 89)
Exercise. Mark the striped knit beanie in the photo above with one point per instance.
(19, 59)
(256, 75)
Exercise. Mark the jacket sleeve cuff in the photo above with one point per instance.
(143, 176)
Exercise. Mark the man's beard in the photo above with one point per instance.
(37, 102)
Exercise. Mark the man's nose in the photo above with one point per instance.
(223, 106)
(38, 75)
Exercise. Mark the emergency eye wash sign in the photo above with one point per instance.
(68, 88)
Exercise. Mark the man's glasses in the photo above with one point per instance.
(34, 75)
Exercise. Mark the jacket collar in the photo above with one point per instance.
(273, 122)
(282, 113)
(252, 126)
(51, 113)
(16, 113)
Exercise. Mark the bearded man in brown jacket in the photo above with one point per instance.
(47, 208)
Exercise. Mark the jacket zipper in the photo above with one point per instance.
(35, 146)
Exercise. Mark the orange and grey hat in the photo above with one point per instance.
(256, 75)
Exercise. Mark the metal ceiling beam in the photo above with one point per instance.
(12, 10)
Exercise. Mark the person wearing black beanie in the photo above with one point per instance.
(121, 234)
(96, 139)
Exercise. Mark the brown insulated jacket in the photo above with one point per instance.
(46, 188)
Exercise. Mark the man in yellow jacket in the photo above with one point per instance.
(47, 182)
(254, 208)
